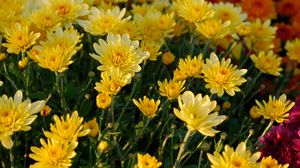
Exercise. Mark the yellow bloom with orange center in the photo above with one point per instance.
(130, 28)
(45, 111)
(67, 129)
(196, 112)
(222, 76)
(53, 154)
(171, 89)
(112, 81)
(268, 63)
(19, 38)
(179, 75)
(293, 48)
(275, 109)
(45, 20)
(16, 115)
(93, 126)
(147, 161)
(243, 29)
(147, 106)
(152, 47)
(193, 10)
(269, 162)
(119, 52)
(262, 30)
(213, 28)
(103, 100)
(192, 67)
(240, 157)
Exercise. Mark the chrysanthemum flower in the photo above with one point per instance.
(19, 38)
(275, 109)
(222, 76)
(195, 111)
(171, 89)
(240, 157)
(147, 106)
(267, 63)
(112, 81)
(45, 20)
(213, 28)
(93, 126)
(102, 22)
(147, 161)
(285, 31)
(119, 52)
(193, 10)
(293, 48)
(103, 100)
(53, 154)
(152, 47)
(259, 9)
(254, 112)
(168, 58)
(269, 162)
(67, 129)
(130, 28)
(262, 30)
(288, 7)
(16, 115)
(179, 75)
(192, 67)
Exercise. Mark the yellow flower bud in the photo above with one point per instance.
(46, 111)
(23, 63)
(103, 146)
(2, 56)
(103, 100)
(93, 126)
(243, 29)
(168, 58)
(254, 112)
(226, 105)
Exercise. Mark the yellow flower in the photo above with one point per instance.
(57, 51)
(243, 29)
(168, 58)
(67, 129)
(19, 38)
(93, 126)
(46, 111)
(179, 75)
(262, 30)
(16, 115)
(239, 158)
(193, 10)
(171, 89)
(267, 63)
(45, 19)
(53, 154)
(222, 76)
(102, 22)
(103, 100)
(147, 161)
(147, 106)
(275, 109)
(23, 63)
(130, 28)
(112, 81)
(269, 162)
(213, 28)
(103, 146)
(152, 47)
(293, 48)
(2, 56)
(119, 52)
(192, 67)
(195, 111)
(254, 112)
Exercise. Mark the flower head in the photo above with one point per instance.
(222, 76)
(19, 38)
(16, 115)
(147, 106)
(119, 52)
(103, 146)
(103, 100)
(262, 9)
(213, 28)
(238, 158)
(275, 109)
(267, 162)
(67, 129)
(171, 89)
(195, 111)
(93, 126)
(53, 154)
(293, 48)
(267, 63)
(192, 67)
(45, 20)
(168, 58)
(147, 161)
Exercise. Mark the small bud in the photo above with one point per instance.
(254, 112)
(103, 100)
(2, 56)
(1, 83)
(93, 126)
(205, 146)
(168, 58)
(91, 74)
(223, 135)
(87, 96)
(46, 111)
(23, 63)
(226, 105)
(243, 29)
(103, 146)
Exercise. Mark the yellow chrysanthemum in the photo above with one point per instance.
(23, 63)
(103, 100)
(16, 115)
(213, 28)
(179, 75)
(192, 67)
(45, 20)
(275, 109)
(119, 52)
(254, 112)
(53, 154)
(112, 81)
(152, 47)
(269, 162)
(102, 22)
(143, 9)
(57, 51)
(239, 158)
(19, 38)
(293, 48)
(147, 106)
(168, 58)
(2, 56)
(93, 126)
(171, 89)
(130, 28)
(195, 111)
(243, 29)
(222, 76)
(147, 161)
(103, 146)
(67, 129)
(267, 63)
(193, 10)
(262, 30)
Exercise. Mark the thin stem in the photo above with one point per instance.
(60, 89)
(11, 158)
(112, 111)
(182, 148)
(200, 159)
(267, 128)
(8, 78)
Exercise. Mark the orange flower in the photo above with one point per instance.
(263, 9)
(284, 31)
(288, 7)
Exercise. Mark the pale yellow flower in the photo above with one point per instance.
(275, 109)
(147, 106)
(196, 112)
(152, 47)
(267, 63)
(269, 162)
(171, 89)
(45, 20)
(222, 76)
(147, 161)
(293, 48)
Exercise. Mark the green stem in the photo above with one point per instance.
(200, 159)
(60, 89)
(267, 128)
(182, 148)
(11, 158)
(112, 111)
(8, 78)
